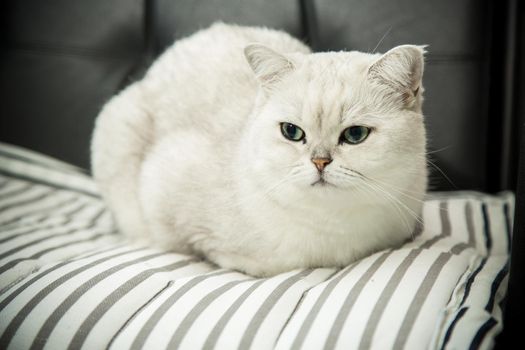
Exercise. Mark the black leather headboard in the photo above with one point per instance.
(62, 59)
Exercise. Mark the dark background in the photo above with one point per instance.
(61, 60)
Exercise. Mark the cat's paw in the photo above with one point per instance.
(216, 251)
(239, 263)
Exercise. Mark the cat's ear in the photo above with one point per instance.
(269, 66)
(402, 69)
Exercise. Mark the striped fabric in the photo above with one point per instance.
(69, 280)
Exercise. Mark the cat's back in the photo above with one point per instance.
(200, 88)
(218, 50)
(206, 77)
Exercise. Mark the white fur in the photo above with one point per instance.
(193, 157)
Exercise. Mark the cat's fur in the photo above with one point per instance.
(193, 157)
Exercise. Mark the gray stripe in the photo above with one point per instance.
(20, 317)
(337, 271)
(395, 279)
(16, 191)
(48, 237)
(197, 310)
(462, 310)
(459, 248)
(470, 225)
(40, 211)
(419, 300)
(26, 285)
(48, 183)
(41, 253)
(225, 318)
(31, 200)
(316, 308)
(384, 298)
(418, 229)
(350, 300)
(266, 307)
(3, 183)
(118, 294)
(43, 163)
(137, 312)
(7, 184)
(53, 319)
(445, 226)
(146, 329)
(39, 228)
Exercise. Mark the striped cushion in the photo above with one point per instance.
(68, 279)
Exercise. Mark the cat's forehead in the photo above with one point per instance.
(325, 108)
(334, 66)
(331, 82)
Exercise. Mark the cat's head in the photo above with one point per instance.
(325, 123)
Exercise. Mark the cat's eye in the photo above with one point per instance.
(355, 134)
(292, 132)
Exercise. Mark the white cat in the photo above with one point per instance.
(242, 146)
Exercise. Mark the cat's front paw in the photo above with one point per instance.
(215, 251)
(236, 262)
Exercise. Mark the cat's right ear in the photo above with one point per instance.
(402, 70)
(269, 66)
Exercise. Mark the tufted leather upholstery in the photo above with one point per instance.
(62, 59)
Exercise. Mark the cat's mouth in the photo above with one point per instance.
(321, 182)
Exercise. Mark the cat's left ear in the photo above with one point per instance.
(268, 65)
(402, 69)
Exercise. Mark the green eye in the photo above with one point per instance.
(292, 132)
(355, 134)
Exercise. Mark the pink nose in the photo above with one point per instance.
(321, 163)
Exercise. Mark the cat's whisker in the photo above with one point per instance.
(409, 211)
(375, 192)
(381, 40)
(425, 157)
(393, 202)
(365, 190)
(442, 173)
(383, 190)
(293, 166)
(282, 181)
(352, 171)
(361, 190)
(402, 190)
(397, 190)
(236, 204)
(438, 150)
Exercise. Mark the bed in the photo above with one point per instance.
(70, 280)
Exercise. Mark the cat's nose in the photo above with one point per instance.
(321, 163)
